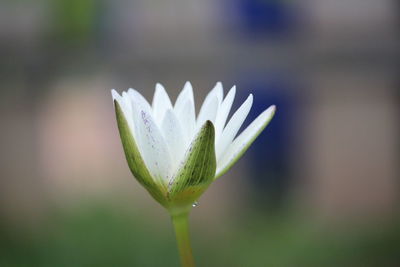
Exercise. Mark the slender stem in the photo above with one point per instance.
(181, 225)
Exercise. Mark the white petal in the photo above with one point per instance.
(127, 101)
(233, 127)
(126, 106)
(244, 140)
(151, 143)
(136, 96)
(210, 106)
(185, 95)
(161, 103)
(173, 136)
(208, 110)
(185, 112)
(223, 113)
(219, 91)
(115, 94)
(186, 117)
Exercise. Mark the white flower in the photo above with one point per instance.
(176, 155)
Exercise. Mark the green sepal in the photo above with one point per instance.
(134, 159)
(196, 172)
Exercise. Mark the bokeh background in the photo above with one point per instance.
(319, 187)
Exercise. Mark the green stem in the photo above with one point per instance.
(181, 225)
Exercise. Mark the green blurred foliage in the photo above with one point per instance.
(74, 20)
(97, 235)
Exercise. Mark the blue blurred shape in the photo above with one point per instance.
(272, 152)
(266, 17)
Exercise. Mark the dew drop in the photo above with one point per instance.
(195, 204)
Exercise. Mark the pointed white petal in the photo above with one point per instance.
(115, 95)
(121, 101)
(219, 91)
(151, 144)
(161, 103)
(223, 113)
(210, 106)
(126, 107)
(185, 95)
(185, 112)
(244, 140)
(127, 101)
(208, 110)
(233, 126)
(186, 117)
(136, 96)
(173, 136)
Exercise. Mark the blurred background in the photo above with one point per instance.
(319, 187)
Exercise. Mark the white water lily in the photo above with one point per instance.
(176, 155)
